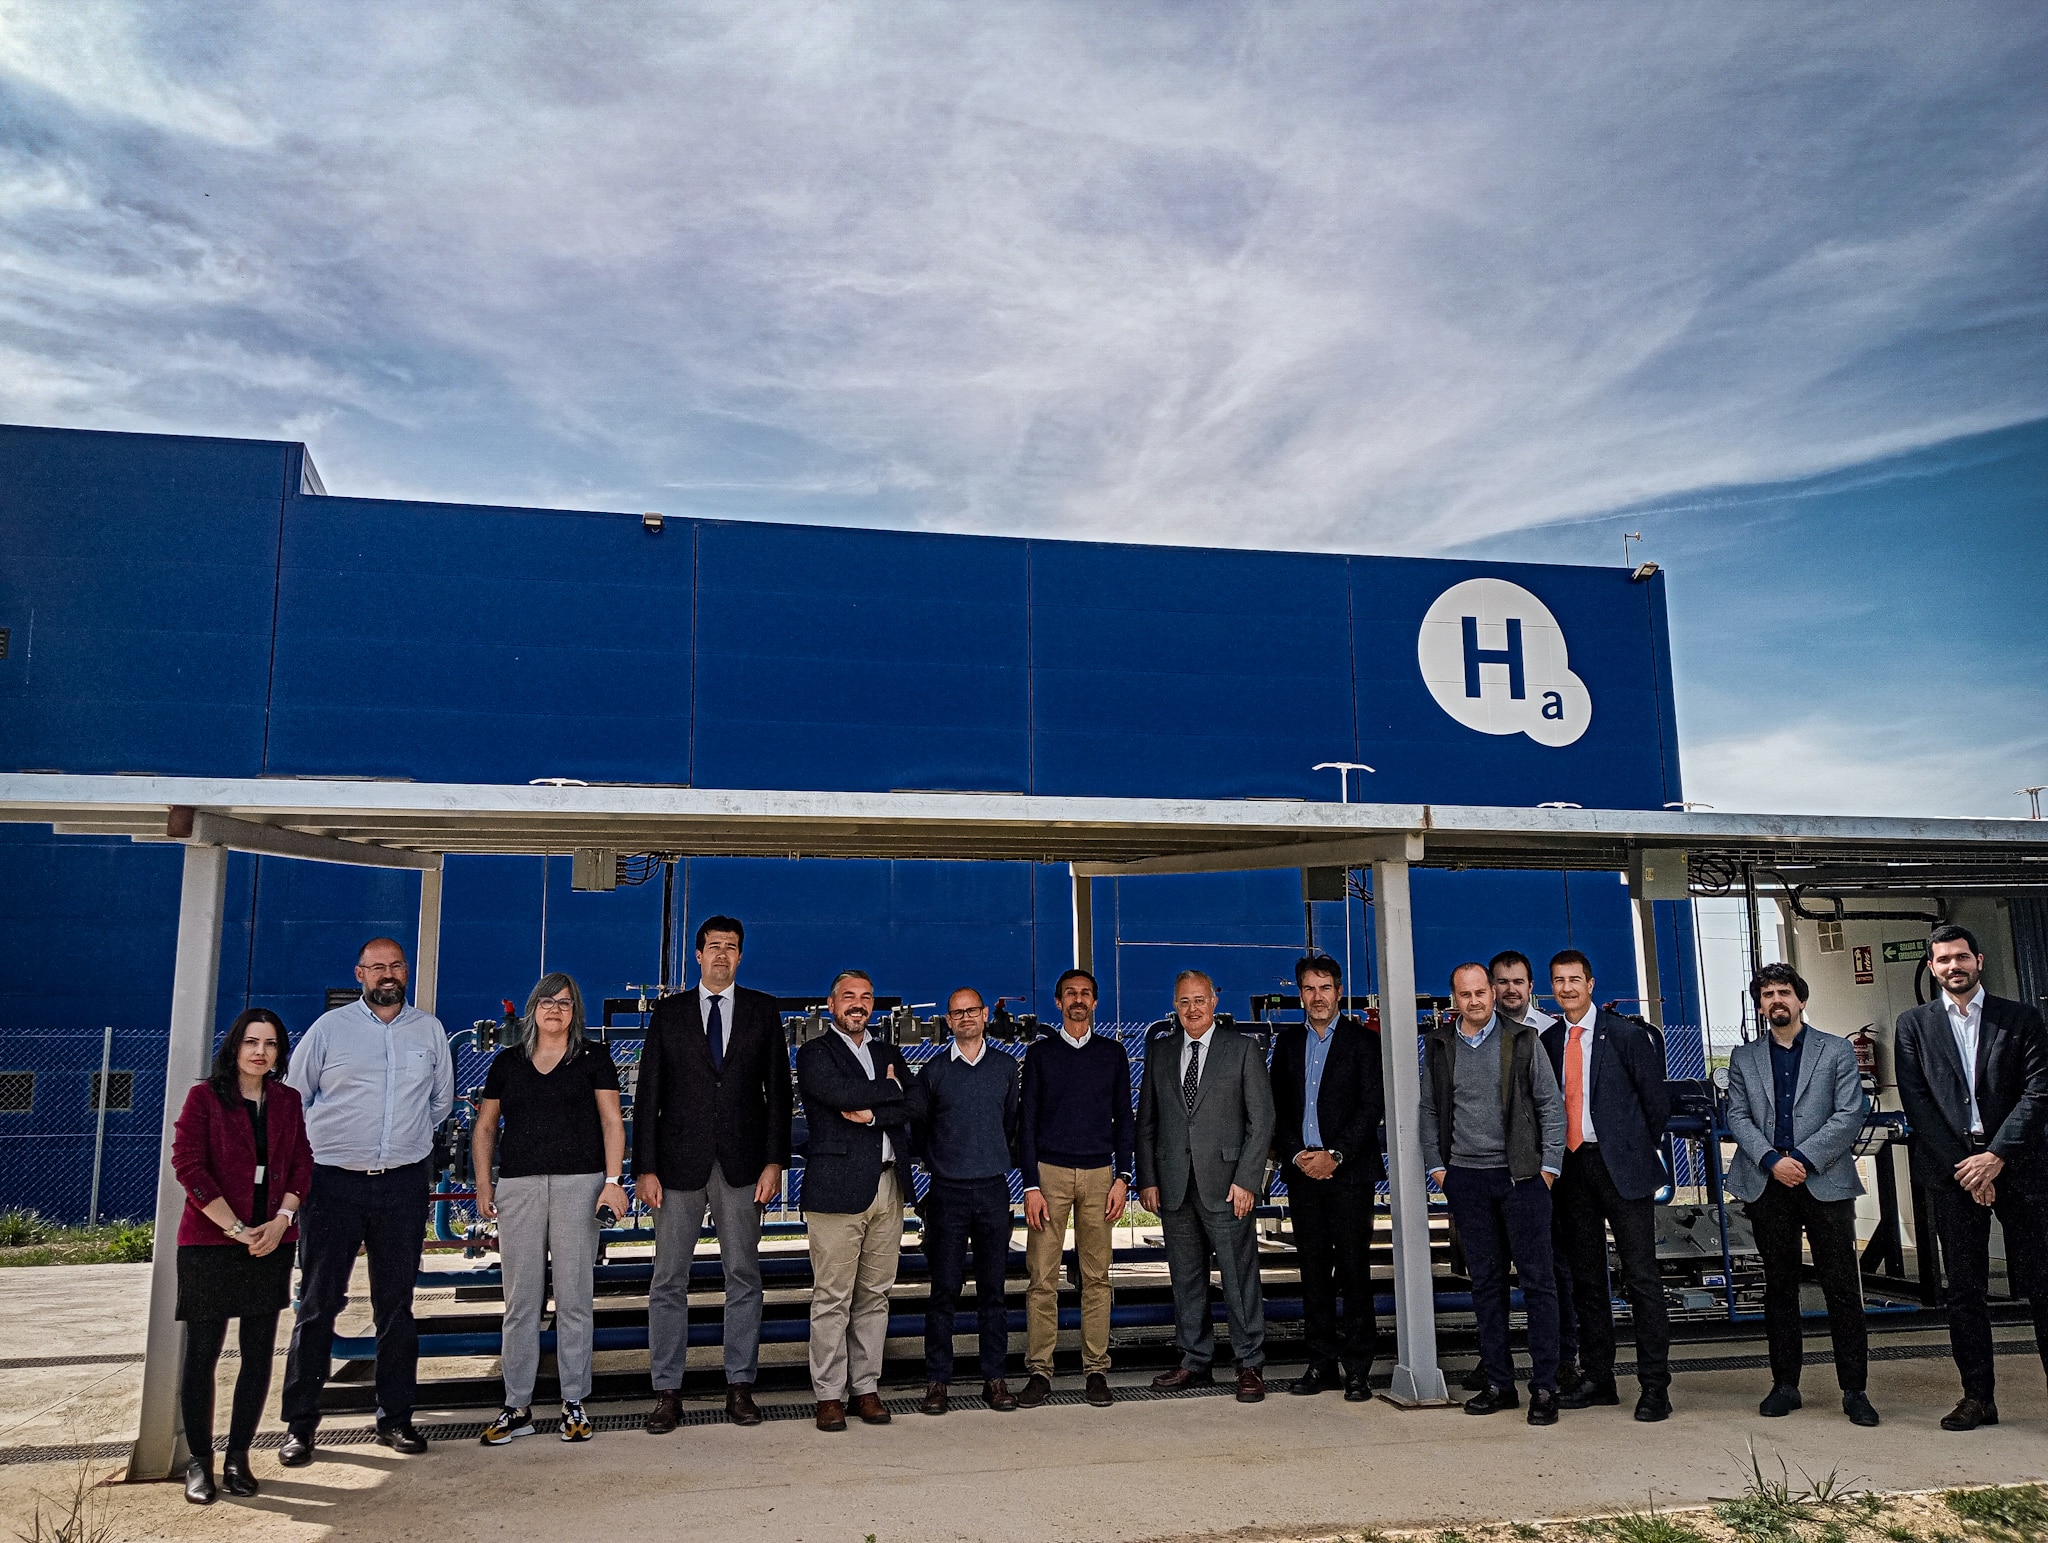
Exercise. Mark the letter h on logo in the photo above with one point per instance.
(1511, 656)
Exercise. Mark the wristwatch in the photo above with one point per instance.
(613, 1178)
(238, 1229)
(288, 1214)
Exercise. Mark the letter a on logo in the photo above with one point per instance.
(1495, 659)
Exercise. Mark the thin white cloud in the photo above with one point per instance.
(1381, 279)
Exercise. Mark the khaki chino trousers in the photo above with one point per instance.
(1079, 1193)
(854, 1255)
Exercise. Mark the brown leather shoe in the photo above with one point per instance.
(740, 1408)
(1098, 1391)
(666, 1414)
(936, 1399)
(831, 1414)
(1036, 1390)
(1251, 1386)
(869, 1407)
(1183, 1377)
(997, 1396)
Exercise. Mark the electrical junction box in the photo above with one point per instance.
(594, 868)
(1660, 875)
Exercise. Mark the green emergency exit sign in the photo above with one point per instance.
(1905, 953)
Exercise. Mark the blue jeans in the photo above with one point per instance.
(975, 1212)
(1483, 1200)
(386, 1214)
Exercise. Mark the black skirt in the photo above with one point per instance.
(224, 1280)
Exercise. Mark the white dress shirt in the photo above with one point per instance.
(862, 1054)
(724, 1001)
(1967, 1022)
(957, 1054)
(1187, 1048)
(1585, 1073)
(1078, 1044)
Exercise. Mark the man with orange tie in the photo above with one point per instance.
(1616, 1106)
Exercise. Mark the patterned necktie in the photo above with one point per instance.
(1574, 1090)
(715, 1032)
(1193, 1078)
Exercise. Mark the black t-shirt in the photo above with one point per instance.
(551, 1122)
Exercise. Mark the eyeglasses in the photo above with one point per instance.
(967, 1012)
(558, 1004)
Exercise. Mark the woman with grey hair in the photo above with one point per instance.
(560, 1162)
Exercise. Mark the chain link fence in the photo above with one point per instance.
(73, 1147)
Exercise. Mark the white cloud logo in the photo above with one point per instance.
(1495, 659)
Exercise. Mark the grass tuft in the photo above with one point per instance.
(1653, 1526)
(1525, 1531)
(2014, 1513)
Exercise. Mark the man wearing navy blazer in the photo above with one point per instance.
(1795, 1108)
(1972, 1071)
(853, 1087)
(1616, 1105)
(1329, 1099)
(710, 1134)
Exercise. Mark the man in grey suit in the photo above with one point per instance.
(1795, 1108)
(1205, 1120)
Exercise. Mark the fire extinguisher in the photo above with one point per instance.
(1866, 1052)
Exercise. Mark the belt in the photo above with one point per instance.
(888, 1164)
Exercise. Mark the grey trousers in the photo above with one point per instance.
(1193, 1232)
(854, 1255)
(539, 1216)
(678, 1222)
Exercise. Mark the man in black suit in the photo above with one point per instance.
(710, 1133)
(1972, 1071)
(1329, 1098)
(853, 1088)
(1616, 1105)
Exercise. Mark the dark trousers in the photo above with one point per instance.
(973, 1213)
(385, 1214)
(1778, 1216)
(1591, 1204)
(1333, 1236)
(1489, 1206)
(1195, 1232)
(1964, 1230)
(1561, 1273)
(203, 1340)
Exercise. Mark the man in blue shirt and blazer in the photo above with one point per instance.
(1795, 1108)
(1616, 1105)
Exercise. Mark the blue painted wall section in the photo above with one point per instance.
(178, 605)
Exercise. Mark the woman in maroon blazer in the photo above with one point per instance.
(241, 1153)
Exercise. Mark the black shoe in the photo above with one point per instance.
(1036, 1390)
(1493, 1400)
(235, 1477)
(1315, 1379)
(297, 1450)
(1969, 1414)
(199, 1482)
(1856, 1406)
(1542, 1406)
(1780, 1401)
(1358, 1385)
(1654, 1405)
(401, 1436)
(1590, 1391)
(1474, 1381)
(1097, 1394)
(1568, 1376)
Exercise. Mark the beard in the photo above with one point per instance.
(1780, 1016)
(388, 994)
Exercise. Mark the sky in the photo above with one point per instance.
(1766, 283)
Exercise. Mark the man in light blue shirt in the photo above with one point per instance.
(377, 1080)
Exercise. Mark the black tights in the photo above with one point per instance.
(203, 1339)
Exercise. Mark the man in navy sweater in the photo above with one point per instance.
(963, 1109)
(1075, 1137)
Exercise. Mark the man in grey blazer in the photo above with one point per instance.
(1795, 1108)
(1205, 1120)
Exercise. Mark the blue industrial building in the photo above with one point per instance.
(199, 606)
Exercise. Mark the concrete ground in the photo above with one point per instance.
(1185, 1468)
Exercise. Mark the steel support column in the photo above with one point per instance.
(1084, 921)
(426, 960)
(160, 1450)
(1417, 1378)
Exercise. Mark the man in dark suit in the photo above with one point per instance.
(1616, 1105)
(1329, 1098)
(853, 1087)
(1205, 1124)
(710, 1133)
(1972, 1071)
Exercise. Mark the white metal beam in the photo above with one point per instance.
(1084, 921)
(214, 829)
(159, 1450)
(1417, 1378)
(1348, 852)
(426, 954)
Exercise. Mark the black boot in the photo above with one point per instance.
(235, 1477)
(199, 1481)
